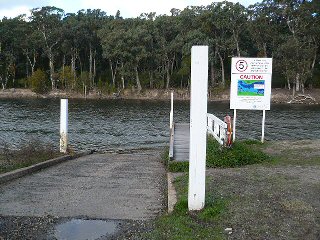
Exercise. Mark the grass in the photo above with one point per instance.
(182, 224)
(240, 154)
(31, 152)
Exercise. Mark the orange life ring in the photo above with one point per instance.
(228, 141)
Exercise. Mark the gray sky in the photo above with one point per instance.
(128, 8)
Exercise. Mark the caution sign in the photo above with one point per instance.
(251, 83)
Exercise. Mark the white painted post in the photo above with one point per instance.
(198, 127)
(171, 111)
(263, 123)
(234, 124)
(63, 125)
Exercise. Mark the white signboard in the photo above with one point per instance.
(250, 83)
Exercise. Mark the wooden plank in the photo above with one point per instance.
(181, 142)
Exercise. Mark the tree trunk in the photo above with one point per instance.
(168, 75)
(213, 80)
(265, 49)
(297, 82)
(94, 71)
(122, 77)
(64, 82)
(237, 43)
(137, 78)
(113, 72)
(73, 67)
(51, 65)
(223, 81)
(288, 82)
(90, 65)
(151, 79)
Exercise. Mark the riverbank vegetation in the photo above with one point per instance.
(92, 50)
(29, 153)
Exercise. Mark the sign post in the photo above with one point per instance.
(250, 86)
(198, 127)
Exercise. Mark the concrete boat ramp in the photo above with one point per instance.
(128, 186)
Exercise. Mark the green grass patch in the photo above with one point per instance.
(31, 152)
(178, 166)
(240, 154)
(182, 224)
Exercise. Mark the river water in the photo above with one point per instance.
(125, 124)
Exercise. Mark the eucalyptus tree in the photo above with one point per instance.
(169, 45)
(91, 22)
(233, 18)
(112, 37)
(298, 51)
(49, 24)
(264, 27)
(9, 49)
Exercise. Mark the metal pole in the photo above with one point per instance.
(263, 123)
(234, 124)
(63, 125)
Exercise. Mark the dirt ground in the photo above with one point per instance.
(277, 200)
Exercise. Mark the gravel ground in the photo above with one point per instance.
(273, 201)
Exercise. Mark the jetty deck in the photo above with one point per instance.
(181, 141)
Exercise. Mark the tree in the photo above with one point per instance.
(48, 22)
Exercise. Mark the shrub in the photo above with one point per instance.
(240, 154)
(39, 82)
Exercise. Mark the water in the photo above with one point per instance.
(79, 229)
(114, 124)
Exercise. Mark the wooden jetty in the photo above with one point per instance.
(181, 141)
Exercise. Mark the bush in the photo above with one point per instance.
(241, 153)
(39, 82)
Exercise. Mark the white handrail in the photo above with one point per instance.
(217, 128)
(171, 129)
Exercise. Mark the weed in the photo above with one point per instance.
(31, 152)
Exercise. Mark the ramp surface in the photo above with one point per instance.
(113, 186)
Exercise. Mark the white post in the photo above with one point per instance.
(63, 125)
(234, 124)
(198, 127)
(263, 122)
(171, 111)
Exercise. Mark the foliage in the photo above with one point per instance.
(154, 50)
(39, 82)
(240, 154)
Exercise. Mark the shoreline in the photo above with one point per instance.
(311, 96)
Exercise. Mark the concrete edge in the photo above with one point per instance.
(8, 176)
(172, 194)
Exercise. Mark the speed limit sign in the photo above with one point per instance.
(241, 65)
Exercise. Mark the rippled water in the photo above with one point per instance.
(114, 124)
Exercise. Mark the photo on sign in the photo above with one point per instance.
(253, 88)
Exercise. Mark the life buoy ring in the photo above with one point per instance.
(228, 140)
